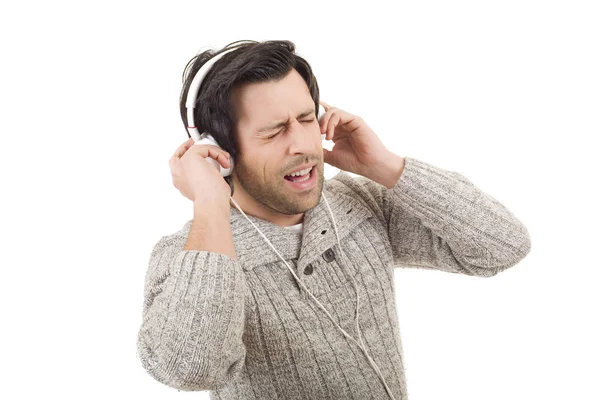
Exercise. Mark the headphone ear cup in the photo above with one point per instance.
(207, 138)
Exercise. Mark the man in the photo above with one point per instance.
(223, 312)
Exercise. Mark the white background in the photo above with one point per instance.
(505, 92)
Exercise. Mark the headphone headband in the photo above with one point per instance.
(192, 93)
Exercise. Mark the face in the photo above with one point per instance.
(278, 133)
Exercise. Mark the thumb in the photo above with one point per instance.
(327, 156)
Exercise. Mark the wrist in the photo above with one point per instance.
(390, 170)
(210, 208)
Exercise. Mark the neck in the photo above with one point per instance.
(252, 207)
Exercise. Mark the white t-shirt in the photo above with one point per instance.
(296, 228)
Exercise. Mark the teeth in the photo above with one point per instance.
(300, 173)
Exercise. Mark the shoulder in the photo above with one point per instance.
(364, 189)
(346, 183)
(370, 194)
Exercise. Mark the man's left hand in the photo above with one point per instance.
(357, 148)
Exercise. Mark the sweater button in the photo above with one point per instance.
(329, 255)
(308, 270)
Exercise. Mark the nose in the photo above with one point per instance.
(302, 140)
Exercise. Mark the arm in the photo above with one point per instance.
(193, 311)
(437, 219)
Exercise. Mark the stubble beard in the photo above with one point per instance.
(275, 196)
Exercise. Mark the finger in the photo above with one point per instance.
(326, 155)
(214, 152)
(324, 121)
(188, 143)
(212, 146)
(350, 123)
(220, 156)
(325, 105)
(346, 123)
(183, 148)
(332, 122)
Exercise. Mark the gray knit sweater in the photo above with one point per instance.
(244, 328)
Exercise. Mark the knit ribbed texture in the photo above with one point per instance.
(244, 328)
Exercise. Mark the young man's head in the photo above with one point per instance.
(260, 102)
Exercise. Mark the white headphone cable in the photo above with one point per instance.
(360, 345)
(363, 348)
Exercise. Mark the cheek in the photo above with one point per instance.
(262, 167)
(270, 173)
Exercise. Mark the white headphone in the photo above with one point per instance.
(206, 138)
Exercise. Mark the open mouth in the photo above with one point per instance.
(302, 180)
(300, 176)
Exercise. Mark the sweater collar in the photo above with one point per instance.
(318, 234)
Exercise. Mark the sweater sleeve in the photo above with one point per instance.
(438, 219)
(193, 317)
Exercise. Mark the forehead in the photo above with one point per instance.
(256, 104)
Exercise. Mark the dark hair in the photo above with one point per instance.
(251, 62)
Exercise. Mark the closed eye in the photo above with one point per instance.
(277, 133)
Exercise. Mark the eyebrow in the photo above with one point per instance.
(278, 124)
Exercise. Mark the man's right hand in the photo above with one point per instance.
(197, 179)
